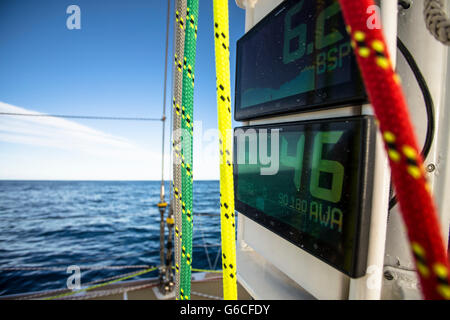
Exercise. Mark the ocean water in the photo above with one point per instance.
(92, 223)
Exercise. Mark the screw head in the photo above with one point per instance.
(431, 167)
(388, 275)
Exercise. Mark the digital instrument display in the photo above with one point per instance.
(298, 58)
(311, 183)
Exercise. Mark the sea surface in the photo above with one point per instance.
(92, 223)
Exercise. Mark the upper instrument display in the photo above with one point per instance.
(298, 58)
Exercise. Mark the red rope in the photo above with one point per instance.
(416, 203)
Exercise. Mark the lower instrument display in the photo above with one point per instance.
(311, 183)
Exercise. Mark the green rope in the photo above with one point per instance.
(190, 45)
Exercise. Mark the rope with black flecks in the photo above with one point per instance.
(187, 108)
(180, 17)
(227, 218)
(413, 190)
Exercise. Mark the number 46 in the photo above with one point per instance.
(335, 168)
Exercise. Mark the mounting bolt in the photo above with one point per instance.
(431, 167)
(388, 275)
(406, 4)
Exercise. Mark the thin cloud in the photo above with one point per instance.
(59, 133)
(119, 157)
(64, 149)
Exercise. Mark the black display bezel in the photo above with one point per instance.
(319, 99)
(357, 267)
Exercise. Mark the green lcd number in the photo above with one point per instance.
(319, 166)
(298, 34)
(294, 162)
(336, 169)
(290, 34)
(323, 40)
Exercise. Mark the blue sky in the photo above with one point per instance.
(113, 66)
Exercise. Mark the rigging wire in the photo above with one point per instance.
(36, 268)
(163, 118)
(165, 272)
(170, 218)
(79, 116)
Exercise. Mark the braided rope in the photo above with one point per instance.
(437, 21)
(413, 190)
(187, 111)
(180, 18)
(227, 217)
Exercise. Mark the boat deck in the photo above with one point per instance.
(207, 287)
(204, 286)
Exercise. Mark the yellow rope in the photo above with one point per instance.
(205, 270)
(222, 51)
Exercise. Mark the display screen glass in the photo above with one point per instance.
(297, 58)
(310, 182)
